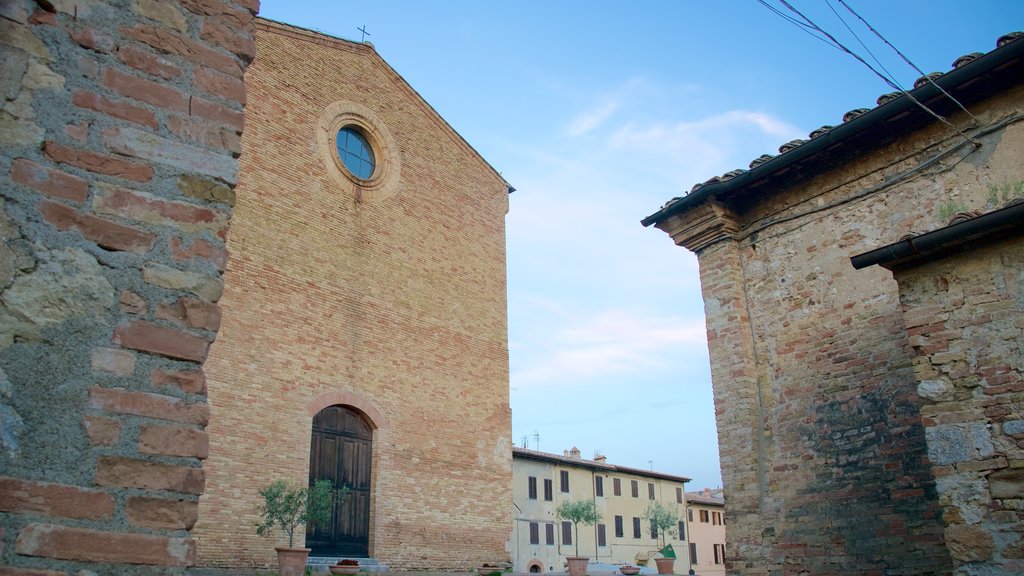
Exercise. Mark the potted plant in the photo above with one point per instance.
(629, 569)
(665, 520)
(486, 569)
(578, 512)
(346, 566)
(288, 506)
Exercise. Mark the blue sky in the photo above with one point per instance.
(598, 112)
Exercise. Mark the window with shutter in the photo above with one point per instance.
(679, 495)
(549, 488)
(650, 490)
(619, 533)
(598, 486)
(617, 486)
(636, 527)
(534, 533)
(601, 535)
(531, 484)
(564, 474)
(549, 534)
(566, 533)
(635, 488)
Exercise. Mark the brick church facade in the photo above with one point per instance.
(377, 304)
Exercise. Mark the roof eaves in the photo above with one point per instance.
(969, 68)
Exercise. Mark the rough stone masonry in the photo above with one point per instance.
(119, 137)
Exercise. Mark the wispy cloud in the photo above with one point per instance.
(591, 119)
(613, 343)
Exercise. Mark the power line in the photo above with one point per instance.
(907, 60)
(833, 41)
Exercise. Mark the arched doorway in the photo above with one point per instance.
(340, 451)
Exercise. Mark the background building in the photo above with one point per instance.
(541, 481)
(705, 521)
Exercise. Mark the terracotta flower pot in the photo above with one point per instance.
(345, 569)
(629, 570)
(577, 565)
(292, 561)
(665, 565)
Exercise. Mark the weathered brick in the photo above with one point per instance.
(129, 473)
(209, 288)
(79, 132)
(206, 133)
(113, 361)
(132, 142)
(82, 544)
(148, 337)
(103, 232)
(98, 163)
(199, 248)
(102, 431)
(49, 181)
(132, 303)
(191, 381)
(122, 110)
(163, 12)
(122, 401)
(93, 39)
(173, 43)
(145, 90)
(172, 514)
(24, 496)
(220, 11)
(228, 35)
(219, 113)
(191, 312)
(219, 84)
(170, 441)
(144, 61)
(142, 207)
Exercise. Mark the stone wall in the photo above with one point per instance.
(823, 445)
(119, 139)
(965, 318)
(385, 295)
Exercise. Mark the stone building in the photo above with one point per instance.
(541, 481)
(705, 529)
(360, 319)
(870, 424)
(364, 333)
(119, 139)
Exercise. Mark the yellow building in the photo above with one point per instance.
(705, 519)
(541, 481)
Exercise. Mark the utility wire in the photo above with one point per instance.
(907, 60)
(865, 46)
(842, 47)
(802, 26)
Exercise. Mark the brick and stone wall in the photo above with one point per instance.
(823, 442)
(965, 317)
(119, 137)
(390, 299)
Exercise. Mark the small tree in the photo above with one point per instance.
(583, 511)
(288, 506)
(664, 519)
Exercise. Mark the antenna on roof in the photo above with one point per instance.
(536, 437)
(365, 33)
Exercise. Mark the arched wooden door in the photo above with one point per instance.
(341, 451)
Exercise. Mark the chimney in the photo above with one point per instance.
(573, 452)
(600, 458)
